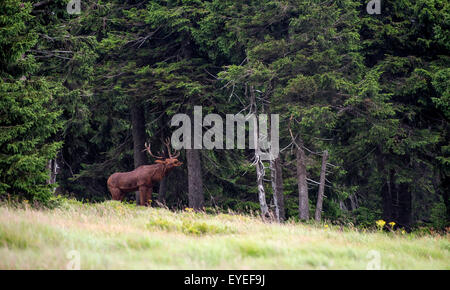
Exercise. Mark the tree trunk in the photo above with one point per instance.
(395, 199)
(53, 168)
(162, 190)
(387, 179)
(387, 197)
(342, 206)
(277, 186)
(318, 214)
(404, 205)
(261, 192)
(260, 172)
(353, 201)
(138, 131)
(195, 179)
(445, 188)
(303, 199)
(276, 179)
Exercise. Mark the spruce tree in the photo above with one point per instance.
(28, 118)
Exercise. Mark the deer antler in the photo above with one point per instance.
(147, 148)
(167, 143)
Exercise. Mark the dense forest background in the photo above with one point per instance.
(363, 99)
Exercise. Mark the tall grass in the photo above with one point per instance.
(112, 235)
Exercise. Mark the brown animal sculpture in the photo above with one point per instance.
(143, 178)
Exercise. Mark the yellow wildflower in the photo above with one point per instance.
(380, 224)
(189, 209)
(392, 224)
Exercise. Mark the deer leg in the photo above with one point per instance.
(144, 192)
(148, 197)
(116, 194)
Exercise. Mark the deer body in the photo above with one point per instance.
(142, 178)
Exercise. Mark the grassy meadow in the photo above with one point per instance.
(112, 235)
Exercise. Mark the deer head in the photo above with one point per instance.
(170, 161)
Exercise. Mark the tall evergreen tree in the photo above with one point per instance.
(28, 119)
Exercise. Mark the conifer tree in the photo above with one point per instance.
(28, 119)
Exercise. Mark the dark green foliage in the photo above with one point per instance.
(29, 119)
(438, 215)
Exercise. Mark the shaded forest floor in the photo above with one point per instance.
(112, 235)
